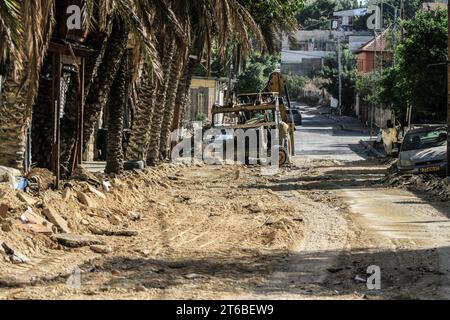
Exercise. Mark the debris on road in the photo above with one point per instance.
(15, 256)
(30, 201)
(76, 240)
(118, 233)
(433, 186)
(99, 194)
(103, 249)
(3, 210)
(86, 200)
(56, 219)
(10, 176)
(41, 178)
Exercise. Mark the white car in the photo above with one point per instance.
(424, 150)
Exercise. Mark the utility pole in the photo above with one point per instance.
(402, 16)
(448, 97)
(340, 73)
(395, 36)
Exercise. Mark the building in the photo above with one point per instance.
(433, 6)
(305, 52)
(205, 92)
(374, 54)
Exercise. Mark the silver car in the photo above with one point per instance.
(424, 150)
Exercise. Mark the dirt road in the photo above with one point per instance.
(354, 223)
(229, 232)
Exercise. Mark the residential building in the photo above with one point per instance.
(305, 51)
(374, 54)
(205, 92)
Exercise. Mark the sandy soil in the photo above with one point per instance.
(229, 232)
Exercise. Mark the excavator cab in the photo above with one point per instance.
(266, 109)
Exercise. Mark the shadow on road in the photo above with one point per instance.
(409, 274)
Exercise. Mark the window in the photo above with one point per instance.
(298, 46)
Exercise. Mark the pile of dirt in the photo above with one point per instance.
(169, 213)
(433, 187)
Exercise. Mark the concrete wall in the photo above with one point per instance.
(203, 97)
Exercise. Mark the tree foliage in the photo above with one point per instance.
(420, 77)
(316, 14)
(295, 85)
(330, 73)
(256, 74)
(273, 17)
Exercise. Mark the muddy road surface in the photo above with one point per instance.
(230, 232)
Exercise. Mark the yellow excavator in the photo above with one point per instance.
(267, 109)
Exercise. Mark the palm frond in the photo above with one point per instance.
(11, 30)
(38, 21)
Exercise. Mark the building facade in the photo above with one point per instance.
(205, 92)
(305, 51)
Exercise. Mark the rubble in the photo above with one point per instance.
(15, 256)
(36, 228)
(103, 249)
(3, 210)
(34, 218)
(26, 199)
(56, 219)
(86, 200)
(82, 174)
(130, 219)
(434, 186)
(42, 178)
(76, 240)
(7, 225)
(96, 192)
(119, 233)
(67, 194)
(9, 175)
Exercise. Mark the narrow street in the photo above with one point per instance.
(228, 232)
(406, 236)
(321, 138)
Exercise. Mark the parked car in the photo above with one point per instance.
(424, 150)
(295, 117)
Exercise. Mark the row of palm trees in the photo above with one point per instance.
(155, 45)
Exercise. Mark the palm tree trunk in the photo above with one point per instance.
(101, 86)
(177, 65)
(42, 125)
(139, 140)
(184, 87)
(158, 112)
(116, 107)
(69, 124)
(14, 121)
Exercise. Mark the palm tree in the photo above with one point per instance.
(116, 106)
(169, 106)
(42, 124)
(158, 112)
(231, 21)
(28, 26)
(10, 32)
(101, 86)
(176, 72)
(138, 16)
(138, 145)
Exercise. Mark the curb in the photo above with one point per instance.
(343, 126)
